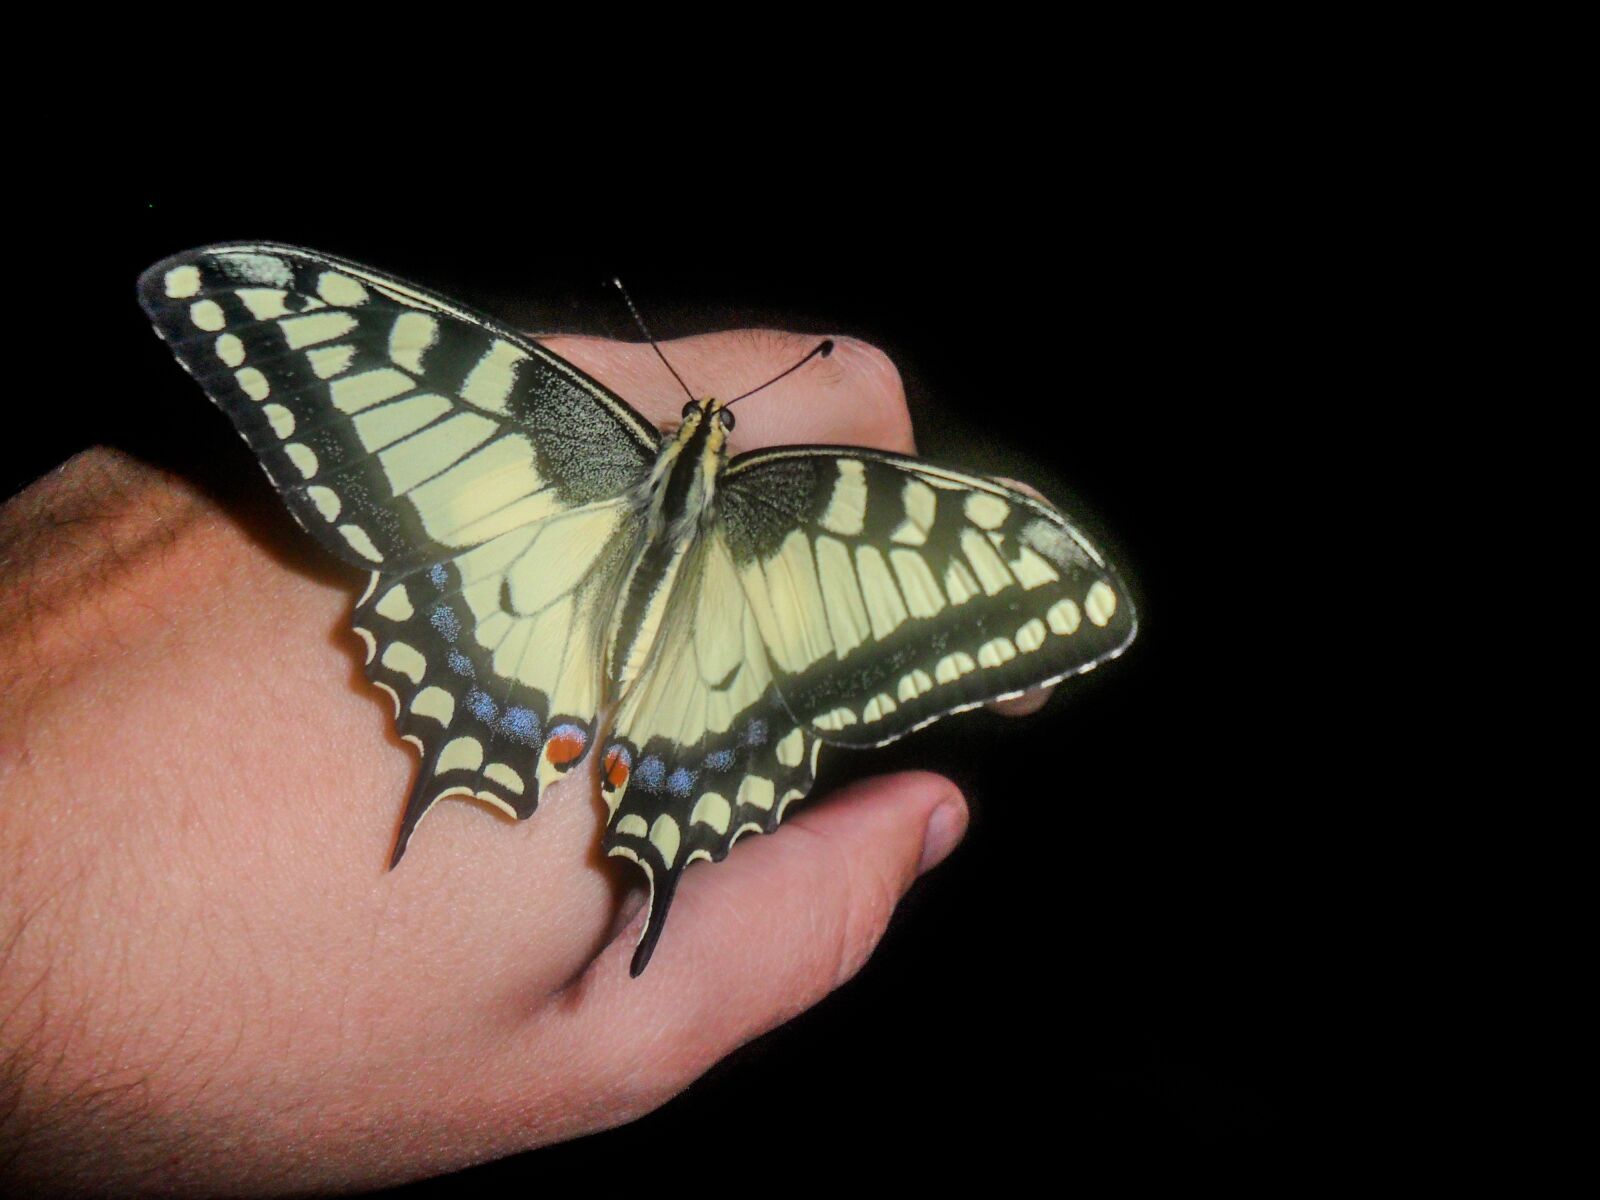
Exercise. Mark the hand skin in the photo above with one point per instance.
(208, 981)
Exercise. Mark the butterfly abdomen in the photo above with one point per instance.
(677, 497)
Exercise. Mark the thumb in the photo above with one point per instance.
(775, 928)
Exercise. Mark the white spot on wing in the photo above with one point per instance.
(406, 660)
(326, 500)
(488, 385)
(848, 623)
(356, 392)
(1063, 617)
(884, 604)
(847, 507)
(396, 604)
(264, 304)
(1031, 570)
(338, 288)
(254, 383)
(986, 511)
(996, 652)
(758, 792)
(207, 315)
(303, 457)
(409, 339)
(505, 776)
(462, 753)
(835, 720)
(328, 361)
(921, 507)
(361, 543)
(923, 597)
(952, 666)
(959, 583)
(713, 810)
(1101, 602)
(792, 748)
(280, 418)
(991, 572)
(182, 282)
(434, 702)
(230, 349)
(300, 332)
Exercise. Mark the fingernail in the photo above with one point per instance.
(945, 829)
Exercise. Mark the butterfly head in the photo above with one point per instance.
(709, 409)
(704, 432)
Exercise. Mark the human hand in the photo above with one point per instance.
(209, 983)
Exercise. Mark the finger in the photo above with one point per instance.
(776, 927)
(852, 397)
(1031, 701)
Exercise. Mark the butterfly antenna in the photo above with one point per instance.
(645, 329)
(823, 348)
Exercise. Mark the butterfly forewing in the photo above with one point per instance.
(890, 592)
(398, 427)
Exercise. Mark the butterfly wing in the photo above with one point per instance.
(702, 749)
(477, 476)
(890, 592)
(845, 597)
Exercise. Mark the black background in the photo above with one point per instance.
(1155, 948)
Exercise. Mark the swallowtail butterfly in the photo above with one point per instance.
(550, 577)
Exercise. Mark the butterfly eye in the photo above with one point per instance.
(726, 418)
(689, 408)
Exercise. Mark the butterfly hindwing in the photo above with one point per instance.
(890, 592)
(492, 658)
(702, 750)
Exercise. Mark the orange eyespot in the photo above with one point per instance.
(565, 746)
(617, 768)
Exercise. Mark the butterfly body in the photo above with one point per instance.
(550, 577)
(679, 499)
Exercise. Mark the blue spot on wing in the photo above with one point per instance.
(438, 575)
(651, 773)
(460, 663)
(480, 706)
(522, 725)
(444, 619)
(755, 733)
(719, 760)
(680, 781)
